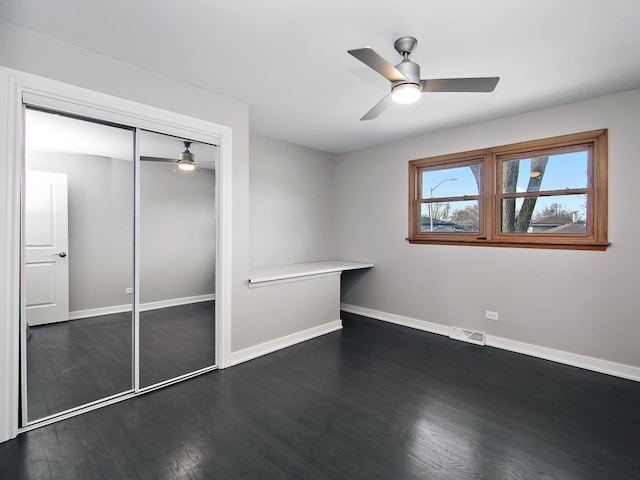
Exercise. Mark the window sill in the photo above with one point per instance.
(587, 245)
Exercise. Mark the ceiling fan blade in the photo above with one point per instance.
(378, 108)
(376, 62)
(483, 84)
(157, 159)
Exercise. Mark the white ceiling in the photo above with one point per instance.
(288, 58)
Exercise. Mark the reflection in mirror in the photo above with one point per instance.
(177, 257)
(77, 262)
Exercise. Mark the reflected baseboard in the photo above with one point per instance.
(172, 302)
(175, 302)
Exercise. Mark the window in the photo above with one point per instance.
(549, 193)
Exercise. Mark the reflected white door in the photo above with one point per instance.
(46, 265)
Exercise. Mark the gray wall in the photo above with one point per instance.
(581, 302)
(291, 203)
(177, 232)
(291, 222)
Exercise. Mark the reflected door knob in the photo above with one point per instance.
(61, 254)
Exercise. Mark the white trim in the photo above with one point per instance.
(43, 92)
(224, 249)
(397, 319)
(271, 346)
(297, 278)
(172, 302)
(9, 327)
(296, 270)
(66, 98)
(573, 359)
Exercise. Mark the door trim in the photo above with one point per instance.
(46, 93)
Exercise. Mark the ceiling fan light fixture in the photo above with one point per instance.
(186, 166)
(187, 160)
(406, 93)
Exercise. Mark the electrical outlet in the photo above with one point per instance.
(492, 315)
(128, 290)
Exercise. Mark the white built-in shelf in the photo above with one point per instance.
(298, 270)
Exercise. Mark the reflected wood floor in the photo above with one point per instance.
(80, 361)
(373, 401)
(176, 340)
(77, 362)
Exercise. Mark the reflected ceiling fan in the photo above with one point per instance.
(186, 161)
(406, 85)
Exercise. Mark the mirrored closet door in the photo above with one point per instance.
(77, 263)
(177, 254)
(118, 262)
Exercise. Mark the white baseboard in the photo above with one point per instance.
(589, 363)
(582, 361)
(173, 302)
(397, 319)
(256, 351)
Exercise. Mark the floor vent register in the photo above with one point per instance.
(465, 335)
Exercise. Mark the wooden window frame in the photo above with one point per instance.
(490, 194)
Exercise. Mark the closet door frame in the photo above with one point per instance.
(26, 89)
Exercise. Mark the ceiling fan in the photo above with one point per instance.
(406, 85)
(186, 161)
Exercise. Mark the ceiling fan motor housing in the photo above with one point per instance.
(404, 46)
(187, 156)
(410, 70)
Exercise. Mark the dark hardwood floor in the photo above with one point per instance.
(374, 401)
(80, 361)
